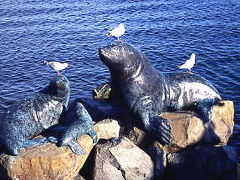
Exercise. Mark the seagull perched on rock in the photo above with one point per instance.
(117, 31)
(189, 63)
(57, 66)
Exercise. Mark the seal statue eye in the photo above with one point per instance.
(115, 49)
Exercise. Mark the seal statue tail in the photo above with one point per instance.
(219, 102)
(204, 108)
(45, 62)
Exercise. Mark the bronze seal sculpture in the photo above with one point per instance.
(31, 115)
(148, 92)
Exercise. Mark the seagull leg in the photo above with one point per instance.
(58, 73)
(119, 40)
(190, 72)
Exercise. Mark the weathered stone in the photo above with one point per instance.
(78, 177)
(187, 129)
(122, 160)
(201, 162)
(222, 122)
(51, 162)
(113, 129)
(140, 137)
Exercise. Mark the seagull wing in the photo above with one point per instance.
(189, 63)
(118, 31)
(57, 66)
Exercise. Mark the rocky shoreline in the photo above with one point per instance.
(125, 151)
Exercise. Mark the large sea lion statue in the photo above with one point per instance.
(31, 115)
(147, 92)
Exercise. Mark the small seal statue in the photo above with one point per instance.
(31, 115)
(75, 122)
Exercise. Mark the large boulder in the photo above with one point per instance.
(51, 162)
(188, 129)
(122, 160)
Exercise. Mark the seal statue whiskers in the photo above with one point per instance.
(147, 92)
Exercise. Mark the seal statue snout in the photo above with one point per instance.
(105, 54)
(100, 51)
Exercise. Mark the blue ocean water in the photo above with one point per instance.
(168, 31)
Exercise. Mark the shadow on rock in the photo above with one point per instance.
(202, 162)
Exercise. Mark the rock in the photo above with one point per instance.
(222, 118)
(187, 129)
(51, 162)
(78, 177)
(113, 129)
(122, 160)
(140, 138)
(201, 162)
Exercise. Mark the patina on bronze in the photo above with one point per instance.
(148, 92)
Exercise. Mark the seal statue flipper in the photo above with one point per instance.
(203, 108)
(35, 142)
(153, 123)
(157, 126)
(161, 129)
(76, 148)
(52, 139)
(81, 123)
(93, 135)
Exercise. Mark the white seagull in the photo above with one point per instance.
(117, 31)
(189, 63)
(57, 66)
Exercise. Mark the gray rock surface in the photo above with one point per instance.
(122, 160)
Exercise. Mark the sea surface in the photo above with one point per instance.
(167, 31)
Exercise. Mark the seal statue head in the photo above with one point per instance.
(59, 89)
(121, 58)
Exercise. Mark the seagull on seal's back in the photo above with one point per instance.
(189, 63)
(57, 66)
(117, 31)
